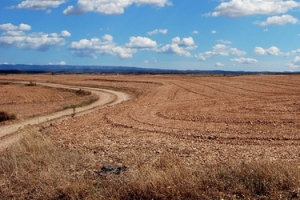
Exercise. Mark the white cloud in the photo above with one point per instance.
(218, 64)
(62, 63)
(266, 30)
(295, 63)
(274, 51)
(224, 41)
(39, 4)
(213, 32)
(58, 63)
(219, 50)
(159, 3)
(103, 46)
(238, 8)
(110, 7)
(65, 33)
(195, 32)
(179, 47)
(244, 60)
(296, 60)
(278, 20)
(157, 31)
(142, 43)
(10, 27)
(14, 36)
(295, 52)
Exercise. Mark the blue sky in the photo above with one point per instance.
(250, 35)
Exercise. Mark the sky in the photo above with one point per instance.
(247, 35)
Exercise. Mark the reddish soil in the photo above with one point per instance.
(204, 120)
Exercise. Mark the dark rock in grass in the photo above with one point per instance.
(111, 170)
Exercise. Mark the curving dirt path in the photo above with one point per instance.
(106, 98)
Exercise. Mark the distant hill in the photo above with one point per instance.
(65, 69)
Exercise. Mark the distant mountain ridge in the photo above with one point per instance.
(81, 69)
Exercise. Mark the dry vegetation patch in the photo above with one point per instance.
(38, 168)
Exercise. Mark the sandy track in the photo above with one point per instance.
(106, 98)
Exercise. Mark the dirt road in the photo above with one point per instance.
(106, 98)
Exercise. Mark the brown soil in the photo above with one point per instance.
(27, 101)
(203, 120)
(97, 98)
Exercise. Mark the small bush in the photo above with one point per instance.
(81, 92)
(4, 116)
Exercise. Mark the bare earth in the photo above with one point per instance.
(47, 98)
(204, 120)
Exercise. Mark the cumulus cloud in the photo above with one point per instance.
(157, 31)
(218, 64)
(65, 33)
(296, 60)
(219, 50)
(109, 7)
(238, 8)
(274, 51)
(104, 46)
(244, 60)
(15, 36)
(278, 20)
(295, 63)
(195, 32)
(179, 46)
(213, 32)
(10, 27)
(39, 4)
(142, 43)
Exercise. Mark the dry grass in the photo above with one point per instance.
(169, 178)
(37, 168)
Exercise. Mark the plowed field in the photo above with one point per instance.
(202, 119)
(27, 101)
